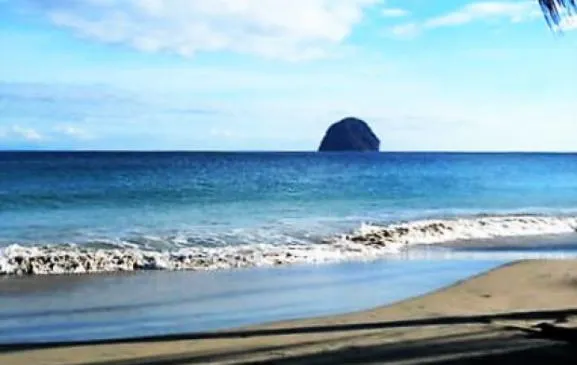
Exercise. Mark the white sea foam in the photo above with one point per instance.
(21, 260)
(477, 228)
(367, 243)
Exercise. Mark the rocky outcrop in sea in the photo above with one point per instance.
(350, 134)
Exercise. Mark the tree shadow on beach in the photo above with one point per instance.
(545, 343)
(445, 350)
(550, 315)
(434, 351)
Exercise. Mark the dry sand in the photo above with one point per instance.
(479, 321)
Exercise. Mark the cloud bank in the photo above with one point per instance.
(280, 29)
(481, 11)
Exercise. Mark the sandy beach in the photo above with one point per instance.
(481, 320)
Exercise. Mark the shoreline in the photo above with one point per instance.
(473, 324)
(88, 307)
(369, 242)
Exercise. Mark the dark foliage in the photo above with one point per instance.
(556, 10)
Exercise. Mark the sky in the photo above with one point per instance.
(450, 75)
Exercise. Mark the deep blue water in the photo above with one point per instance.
(167, 199)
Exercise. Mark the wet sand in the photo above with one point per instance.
(476, 321)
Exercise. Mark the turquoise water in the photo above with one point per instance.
(163, 200)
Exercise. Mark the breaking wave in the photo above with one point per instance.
(367, 243)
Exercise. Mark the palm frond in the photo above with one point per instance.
(556, 10)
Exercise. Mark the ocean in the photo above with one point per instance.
(167, 201)
(253, 221)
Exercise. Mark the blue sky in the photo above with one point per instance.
(273, 74)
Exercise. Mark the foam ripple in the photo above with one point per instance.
(460, 229)
(367, 243)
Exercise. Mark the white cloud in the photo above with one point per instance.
(23, 133)
(222, 132)
(405, 30)
(512, 11)
(73, 132)
(296, 29)
(478, 11)
(394, 12)
(568, 23)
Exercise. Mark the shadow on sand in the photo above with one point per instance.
(544, 344)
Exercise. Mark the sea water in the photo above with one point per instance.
(440, 217)
(222, 210)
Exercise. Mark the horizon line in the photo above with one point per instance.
(281, 151)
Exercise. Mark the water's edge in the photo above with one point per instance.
(97, 307)
(369, 242)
